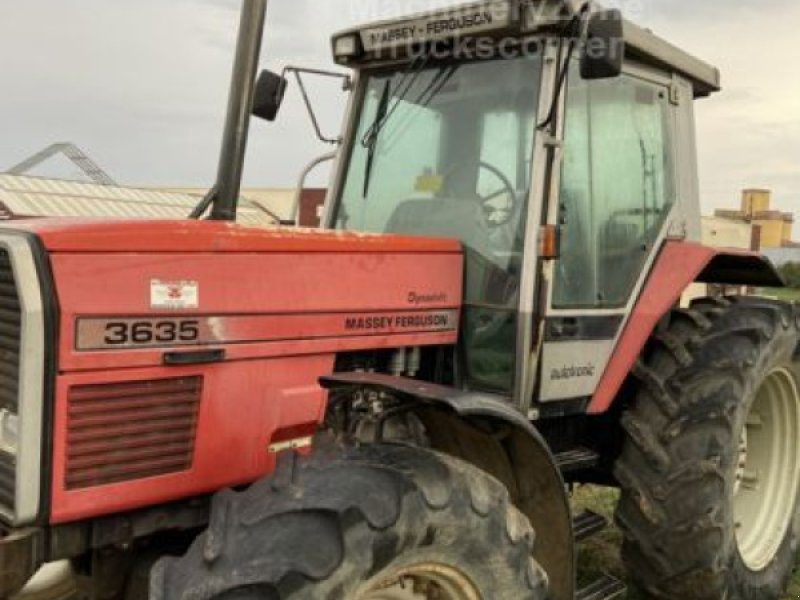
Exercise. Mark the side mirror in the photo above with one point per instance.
(604, 52)
(270, 90)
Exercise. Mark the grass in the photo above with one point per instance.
(785, 294)
(600, 554)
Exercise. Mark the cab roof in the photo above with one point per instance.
(516, 18)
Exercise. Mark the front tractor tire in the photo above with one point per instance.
(710, 472)
(376, 522)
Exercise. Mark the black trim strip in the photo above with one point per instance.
(583, 329)
(182, 359)
(347, 337)
(563, 408)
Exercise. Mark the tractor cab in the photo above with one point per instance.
(445, 150)
(546, 138)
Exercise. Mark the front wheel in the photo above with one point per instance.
(54, 581)
(380, 522)
(711, 470)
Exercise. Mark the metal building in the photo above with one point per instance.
(23, 197)
(775, 227)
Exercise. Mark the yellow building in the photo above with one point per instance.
(755, 201)
(788, 233)
(774, 227)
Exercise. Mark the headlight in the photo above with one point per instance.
(9, 432)
(347, 47)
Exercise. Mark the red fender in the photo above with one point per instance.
(679, 265)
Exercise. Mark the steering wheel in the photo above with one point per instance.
(491, 322)
(508, 188)
(488, 209)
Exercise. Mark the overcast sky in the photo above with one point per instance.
(141, 85)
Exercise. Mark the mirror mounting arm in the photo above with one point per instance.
(347, 85)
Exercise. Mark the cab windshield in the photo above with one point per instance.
(445, 150)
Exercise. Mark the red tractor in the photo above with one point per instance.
(197, 410)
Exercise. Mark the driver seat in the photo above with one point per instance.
(459, 218)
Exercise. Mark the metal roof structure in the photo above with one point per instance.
(33, 197)
(90, 168)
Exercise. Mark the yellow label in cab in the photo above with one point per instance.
(429, 183)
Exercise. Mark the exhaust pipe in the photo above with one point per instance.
(225, 194)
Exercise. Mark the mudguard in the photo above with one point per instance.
(456, 422)
(679, 265)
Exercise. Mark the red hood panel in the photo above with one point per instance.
(75, 235)
(256, 292)
(273, 309)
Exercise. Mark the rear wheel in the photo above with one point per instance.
(769, 470)
(381, 522)
(711, 469)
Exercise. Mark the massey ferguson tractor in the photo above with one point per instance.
(397, 407)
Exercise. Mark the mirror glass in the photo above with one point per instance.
(270, 90)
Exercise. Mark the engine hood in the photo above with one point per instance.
(252, 292)
(103, 236)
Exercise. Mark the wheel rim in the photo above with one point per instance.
(426, 581)
(768, 473)
(54, 581)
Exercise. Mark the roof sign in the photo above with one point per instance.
(486, 18)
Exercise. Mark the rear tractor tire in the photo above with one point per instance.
(710, 472)
(379, 522)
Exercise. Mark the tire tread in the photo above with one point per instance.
(700, 358)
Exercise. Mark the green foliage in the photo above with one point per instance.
(791, 273)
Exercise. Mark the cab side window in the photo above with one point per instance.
(617, 188)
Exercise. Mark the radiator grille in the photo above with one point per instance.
(8, 477)
(10, 335)
(127, 431)
(10, 342)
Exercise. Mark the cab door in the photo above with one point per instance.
(617, 191)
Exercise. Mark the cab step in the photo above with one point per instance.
(577, 460)
(588, 524)
(605, 588)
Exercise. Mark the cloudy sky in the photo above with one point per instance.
(141, 85)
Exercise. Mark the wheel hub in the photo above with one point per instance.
(426, 581)
(768, 472)
(741, 467)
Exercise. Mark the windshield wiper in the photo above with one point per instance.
(373, 133)
(383, 114)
